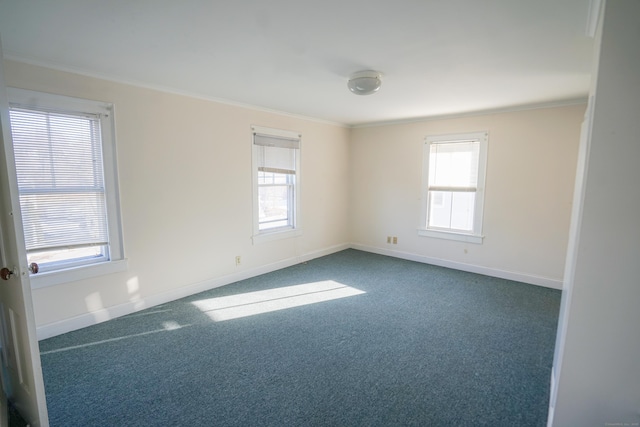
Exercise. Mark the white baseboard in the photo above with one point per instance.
(493, 272)
(71, 324)
(78, 322)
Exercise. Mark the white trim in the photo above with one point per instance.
(575, 225)
(52, 278)
(88, 319)
(269, 236)
(451, 235)
(160, 88)
(593, 17)
(32, 99)
(482, 112)
(531, 279)
(106, 112)
(165, 89)
(276, 132)
(295, 229)
(552, 392)
(475, 236)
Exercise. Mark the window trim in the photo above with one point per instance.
(475, 236)
(29, 99)
(260, 236)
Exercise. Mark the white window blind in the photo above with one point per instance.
(276, 164)
(453, 179)
(59, 166)
(453, 166)
(276, 154)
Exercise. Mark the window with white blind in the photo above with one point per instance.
(453, 186)
(276, 178)
(65, 166)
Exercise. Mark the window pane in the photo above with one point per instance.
(67, 257)
(275, 169)
(63, 219)
(451, 210)
(462, 211)
(59, 168)
(440, 209)
(54, 151)
(273, 206)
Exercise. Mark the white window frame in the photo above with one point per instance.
(295, 227)
(475, 236)
(116, 260)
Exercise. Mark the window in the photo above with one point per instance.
(65, 166)
(276, 177)
(453, 186)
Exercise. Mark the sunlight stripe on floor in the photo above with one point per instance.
(252, 303)
(168, 326)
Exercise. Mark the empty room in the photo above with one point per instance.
(279, 213)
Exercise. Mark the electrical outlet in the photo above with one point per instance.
(238, 260)
(395, 240)
(388, 239)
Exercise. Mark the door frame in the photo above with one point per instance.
(20, 350)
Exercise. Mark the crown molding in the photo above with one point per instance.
(160, 88)
(120, 80)
(507, 109)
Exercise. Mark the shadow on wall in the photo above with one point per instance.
(218, 309)
(95, 305)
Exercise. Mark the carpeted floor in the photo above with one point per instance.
(420, 346)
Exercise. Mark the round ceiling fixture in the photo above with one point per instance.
(365, 82)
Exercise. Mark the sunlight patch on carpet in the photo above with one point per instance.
(166, 326)
(252, 303)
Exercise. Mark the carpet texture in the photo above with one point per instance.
(422, 346)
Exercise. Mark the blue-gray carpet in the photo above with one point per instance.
(422, 346)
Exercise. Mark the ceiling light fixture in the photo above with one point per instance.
(365, 82)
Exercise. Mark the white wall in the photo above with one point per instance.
(185, 178)
(185, 188)
(529, 185)
(597, 365)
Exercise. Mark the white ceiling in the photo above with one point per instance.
(438, 57)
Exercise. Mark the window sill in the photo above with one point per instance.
(52, 278)
(268, 236)
(451, 235)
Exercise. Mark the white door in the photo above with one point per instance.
(22, 372)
